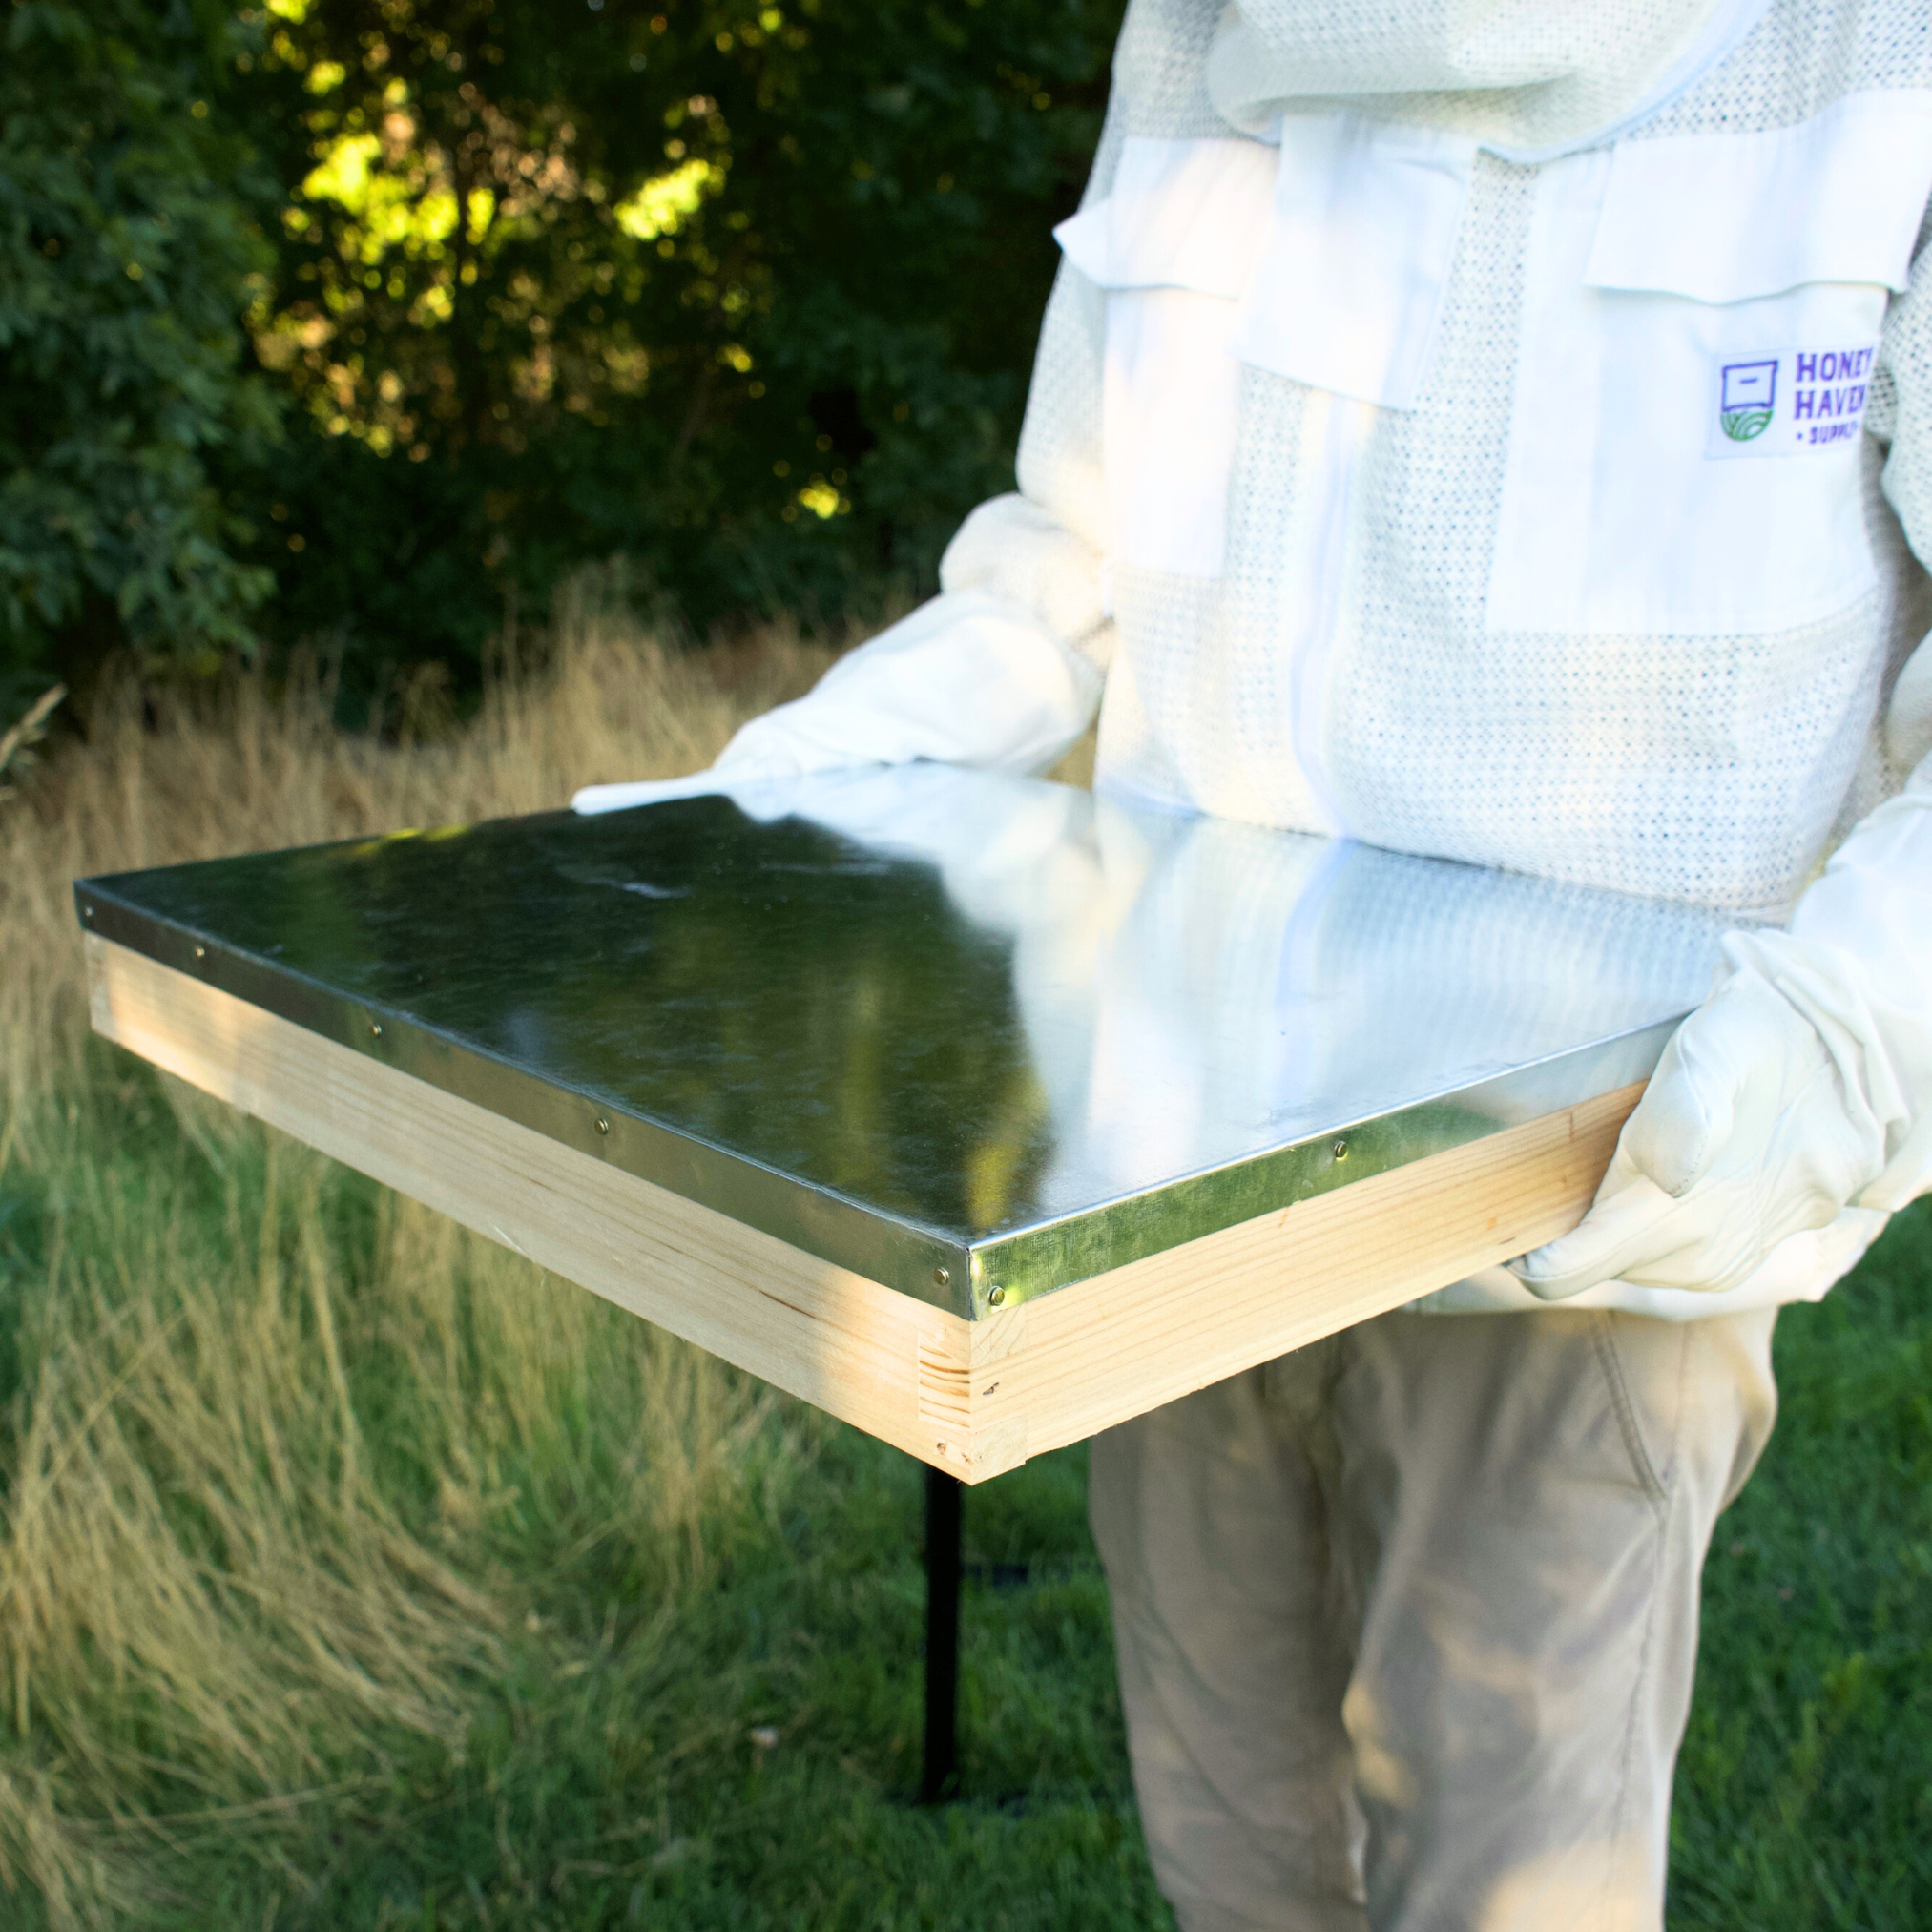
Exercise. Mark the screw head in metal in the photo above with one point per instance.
(1341, 1150)
(375, 1030)
(940, 1276)
(998, 1296)
(603, 1125)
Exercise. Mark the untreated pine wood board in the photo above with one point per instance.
(975, 1397)
(1070, 1365)
(835, 1338)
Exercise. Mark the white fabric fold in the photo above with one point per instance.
(1348, 284)
(1836, 198)
(1321, 255)
(1013, 550)
(1181, 213)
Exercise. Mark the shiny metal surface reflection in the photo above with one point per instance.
(975, 1037)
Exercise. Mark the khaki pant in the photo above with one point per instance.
(1406, 1621)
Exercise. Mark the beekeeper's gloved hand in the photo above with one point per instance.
(1758, 1124)
(969, 678)
(1801, 1087)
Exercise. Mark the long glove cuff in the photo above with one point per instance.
(1856, 960)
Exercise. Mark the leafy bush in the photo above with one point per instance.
(124, 243)
(745, 291)
(742, 292)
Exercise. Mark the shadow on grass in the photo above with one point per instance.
(750, 1761)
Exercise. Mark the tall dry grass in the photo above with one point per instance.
(262, 767)
(277, 1447)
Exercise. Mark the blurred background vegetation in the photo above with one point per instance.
(370, 321)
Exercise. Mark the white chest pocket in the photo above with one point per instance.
(1700, 324)
(1172, 246)
(1321, 256)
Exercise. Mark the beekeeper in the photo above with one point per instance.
(1498, 429)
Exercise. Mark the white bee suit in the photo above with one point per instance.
(1499, 431)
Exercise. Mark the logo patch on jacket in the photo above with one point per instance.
(1793, 402)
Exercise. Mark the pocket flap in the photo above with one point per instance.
(1350, 281)
(1183, 214)
(1729, 218)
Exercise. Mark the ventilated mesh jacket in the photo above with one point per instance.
(1427, 465)
(1340, 669)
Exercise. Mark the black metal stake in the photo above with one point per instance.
(942, 1524)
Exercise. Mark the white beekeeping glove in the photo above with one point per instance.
(967, 678)
(1002, 670)
(1801, 1088)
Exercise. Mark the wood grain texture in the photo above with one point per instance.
(1072, 1364)
(973, 1398)
(836, 1340)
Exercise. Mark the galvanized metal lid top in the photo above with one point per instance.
(961, 1032)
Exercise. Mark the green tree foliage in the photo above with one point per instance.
(743, 291)
(125, 244)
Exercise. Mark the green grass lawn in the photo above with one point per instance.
(716, 1723)
(634, 1793)
(1804, 1790)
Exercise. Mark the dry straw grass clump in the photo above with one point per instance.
(275, 1446)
